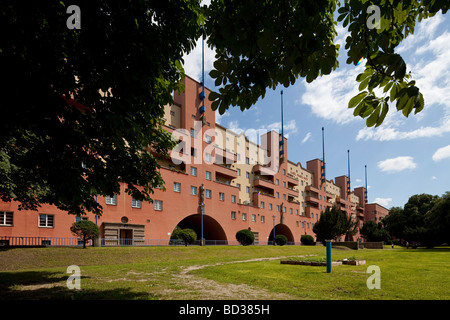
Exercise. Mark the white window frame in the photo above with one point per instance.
(4, 217)
(49, 223)
(177, 186)
(158, 205)
(136, 203)
(111, 200)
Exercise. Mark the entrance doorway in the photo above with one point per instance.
(126, 237)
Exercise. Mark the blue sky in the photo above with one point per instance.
(404, 156)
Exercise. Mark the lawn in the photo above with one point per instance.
(223, 272)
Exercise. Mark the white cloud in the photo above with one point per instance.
(328, 95)
(397, 164)
(193, 61)
(441, 153)
(383, 201)
(307, 137)
(427, 55)
(389, 132)
(289, 127)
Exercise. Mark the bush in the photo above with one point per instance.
(280, 239)
(245, 237)
(187, 235)
(307, 240)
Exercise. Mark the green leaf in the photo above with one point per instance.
(370, 122)
(357, 99)
(383, 114)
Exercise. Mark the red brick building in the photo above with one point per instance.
(215, 172)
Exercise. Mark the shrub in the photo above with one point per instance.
(280, 239)
(245, 237)
(85, 230)
(187, 235)
(307, 240)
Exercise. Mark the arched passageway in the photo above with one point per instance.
(281, 229)
(212, 230)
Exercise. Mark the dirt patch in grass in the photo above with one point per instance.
(207, 289)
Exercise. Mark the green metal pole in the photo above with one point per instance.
(328, 256)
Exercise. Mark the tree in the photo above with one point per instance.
(374, 232)
(334, 223)
(83, 107)
(438, 218)
(85, 230)
(245, 237)
(415, 222)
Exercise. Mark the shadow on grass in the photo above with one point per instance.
(35, 285)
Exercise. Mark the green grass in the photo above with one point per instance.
(160, 273)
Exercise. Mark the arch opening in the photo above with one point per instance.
(281, 229)
(212, 230)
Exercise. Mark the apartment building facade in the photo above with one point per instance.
(217, 183)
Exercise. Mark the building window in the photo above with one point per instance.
(262, 204)
(221, 196)
(284, 171)
(208, 193)
(233, 215)
(284, 184)
(247, 175)
(158, 205)
(193, 171)
(254, 217)
(296, 212)
(6, 218)
(192, 133)
(247, 160)
(284, 209)
(208, 157)
(277, 182)
(239, 186)
(263, 219)
(193, 152)
(136, 203)
(112, 200)
(284, 197)
(233, 198)
(247, 189)
(291, 211)
(46, 220)
(81, 219)
(278, 194)
(207, 139)
(238, 171)
(244, 217)
(177, 187)
(193, 190)
(208, 175)
(278, 208)
(270, 206)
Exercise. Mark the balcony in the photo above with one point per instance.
(264, 170)
(291, 180)
(225, 171)
(310, 199)
(261, 182)
(313, 189)
(293, 192)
